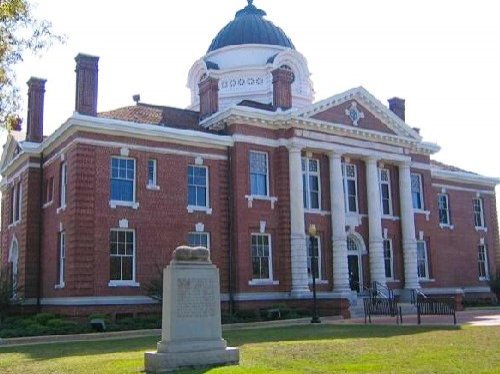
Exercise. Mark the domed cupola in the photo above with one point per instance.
(250, 27)
(242, 58)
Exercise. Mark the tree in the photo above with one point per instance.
(20, 33)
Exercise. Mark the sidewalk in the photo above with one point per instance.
(478, 317)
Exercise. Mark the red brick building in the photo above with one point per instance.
(91, 211)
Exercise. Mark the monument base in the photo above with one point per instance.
(157, 362)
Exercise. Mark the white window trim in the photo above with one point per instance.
(201, 208)
(426, 278)
(153, 186)
(63, 186)
(486, 263)
(391, 278)
(266, 281)
(126, 283)
(319, 279)
(62, 265)
(422, 201)
(307, 188)
(447, 225)
(346, 192)
(202, 233)
(388, 183)
(481, 212)
(268, 187)
(115, 203)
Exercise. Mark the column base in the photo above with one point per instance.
(301, 293)
(405, 295)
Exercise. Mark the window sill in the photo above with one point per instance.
(201, 209)
(446, 226)
(13, 224)
(123, 284)
(251, 198)
(61, 209)
(47, 204)
(59, 286)
(152, 187)
(113, 204)
(391, 217)
(322, 213)
(481, 228)
(392, 280)
(426, 212)
(263, 282)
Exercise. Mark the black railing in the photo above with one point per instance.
(415, 295)
(382, 291)
(434, 307)
(382, 307)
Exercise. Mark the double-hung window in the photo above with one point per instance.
(310, 183)
(61, 259)
(478, 207)
(350, 187)
(199, 239)
(197, 186)
(444, 209)
(385, 192)
(123, 179)
(417, 191)
(261, 257)
(259, 174)
(122, 257)
(422, 260)
(482, 262)
(388, 259)
(15, 203)
(314, 258)
(152, 173)
(49, 190)
(63, 184)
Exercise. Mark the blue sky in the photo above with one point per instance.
(442, 57)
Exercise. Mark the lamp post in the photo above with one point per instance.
(312, 234)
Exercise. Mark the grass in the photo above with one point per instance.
(301, 349)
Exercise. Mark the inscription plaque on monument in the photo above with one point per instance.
(191, 325)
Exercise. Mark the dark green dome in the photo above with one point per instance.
(250, 27)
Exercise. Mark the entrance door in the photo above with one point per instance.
(353, 264)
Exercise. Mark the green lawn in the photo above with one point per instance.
(302, 349)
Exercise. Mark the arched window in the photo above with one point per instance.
(14, 265)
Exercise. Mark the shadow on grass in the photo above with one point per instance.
(236, 338)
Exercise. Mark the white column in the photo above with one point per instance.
(408, 228)
(376, 249)
(300, 278)
(339, 239)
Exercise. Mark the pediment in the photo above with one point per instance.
(10, 150)
(358, 108)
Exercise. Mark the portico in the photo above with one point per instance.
(344, 222)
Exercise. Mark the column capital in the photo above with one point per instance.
(404, 164)
(371, 159)
(334, 154)
(294, 148)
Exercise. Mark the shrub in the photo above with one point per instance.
(494, 283)
(43, 318)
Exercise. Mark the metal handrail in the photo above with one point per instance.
(415, 293)
(382, 290)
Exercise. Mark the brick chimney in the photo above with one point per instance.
(397, 106)
(209, 97)
(282, 88)
(34, 128)
(86, 84)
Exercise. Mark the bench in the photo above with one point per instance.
(436, 307)
(375, 306)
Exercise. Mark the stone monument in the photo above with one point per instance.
(191, 321)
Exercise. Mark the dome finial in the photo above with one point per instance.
(250, 2)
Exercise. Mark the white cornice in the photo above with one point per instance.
(463, 177)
